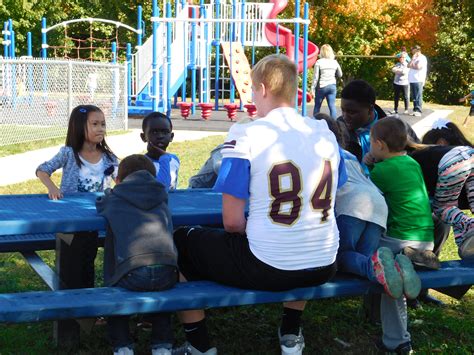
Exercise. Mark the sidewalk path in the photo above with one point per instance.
(21, 167)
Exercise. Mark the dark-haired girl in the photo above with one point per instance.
(88, 163)
(88, 166)
(447, 161)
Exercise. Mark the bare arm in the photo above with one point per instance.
(233, 214)
(53, 192)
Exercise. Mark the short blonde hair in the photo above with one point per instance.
(279, 75)
(327, 52)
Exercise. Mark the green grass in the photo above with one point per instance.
(250, 329)
(38, 144)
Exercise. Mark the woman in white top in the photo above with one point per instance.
(326, 70)
(400, 82)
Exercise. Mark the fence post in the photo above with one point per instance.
(69, 88)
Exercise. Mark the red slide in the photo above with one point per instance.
(286, 39)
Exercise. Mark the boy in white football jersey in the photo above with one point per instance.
(287, 168)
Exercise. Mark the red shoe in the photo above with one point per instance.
(387, 272)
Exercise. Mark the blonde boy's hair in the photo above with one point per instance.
(279, 75)
(327, 52)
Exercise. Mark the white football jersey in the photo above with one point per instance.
(294, 164)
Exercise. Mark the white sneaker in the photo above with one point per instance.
(416, 114)
(405, 112)
(123, 351)
(291, 344)
(161, 351)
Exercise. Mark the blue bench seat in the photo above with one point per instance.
(106, 301)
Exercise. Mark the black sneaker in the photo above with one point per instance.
(402, 349)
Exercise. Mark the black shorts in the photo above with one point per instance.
(219, 256)
(471, 111)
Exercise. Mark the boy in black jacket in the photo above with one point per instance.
(139, 251)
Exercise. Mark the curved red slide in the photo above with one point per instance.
(286, 39)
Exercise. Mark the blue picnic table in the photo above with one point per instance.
(34, 214)
(71, 223)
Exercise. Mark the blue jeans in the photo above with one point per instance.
(358, 241)
(146, 278)
(416, 90)
(328, 92)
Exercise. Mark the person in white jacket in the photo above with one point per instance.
(400, 83)
(417, 77)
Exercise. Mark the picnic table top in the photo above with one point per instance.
(31, 214)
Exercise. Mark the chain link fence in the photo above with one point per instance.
(36, 96)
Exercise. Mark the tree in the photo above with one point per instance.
(452, 68)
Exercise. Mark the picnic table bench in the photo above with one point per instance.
(107, 301)
(26, 220)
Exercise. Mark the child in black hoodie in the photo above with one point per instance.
(139, 251)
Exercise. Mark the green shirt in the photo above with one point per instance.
(409, 213)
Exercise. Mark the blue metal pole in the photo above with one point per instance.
(12, 40)
(5, 39)
(29, 45)
(12, 44)
(29, 53)
(206, 68)
(129, 73)
(305, 56)
(193, 62)
(185, 59)
(242, 38)
(217, 44)
(297, 41)
(44, 41)
(169, 28)
(154, 58)
(139, 25)
(114, 52)
(278, 39)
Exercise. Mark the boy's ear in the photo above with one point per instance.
(381, 144)
(264, 89)
(171, 136)
(143, 137)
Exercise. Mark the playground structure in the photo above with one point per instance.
(208, 41)
(203, 52)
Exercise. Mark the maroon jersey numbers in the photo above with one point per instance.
(290, 198)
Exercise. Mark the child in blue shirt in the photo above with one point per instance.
(158, 133)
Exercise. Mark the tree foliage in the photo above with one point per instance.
(443, 28)
(452, 68)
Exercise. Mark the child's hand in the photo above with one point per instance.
(368, 159)
(54, 193)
